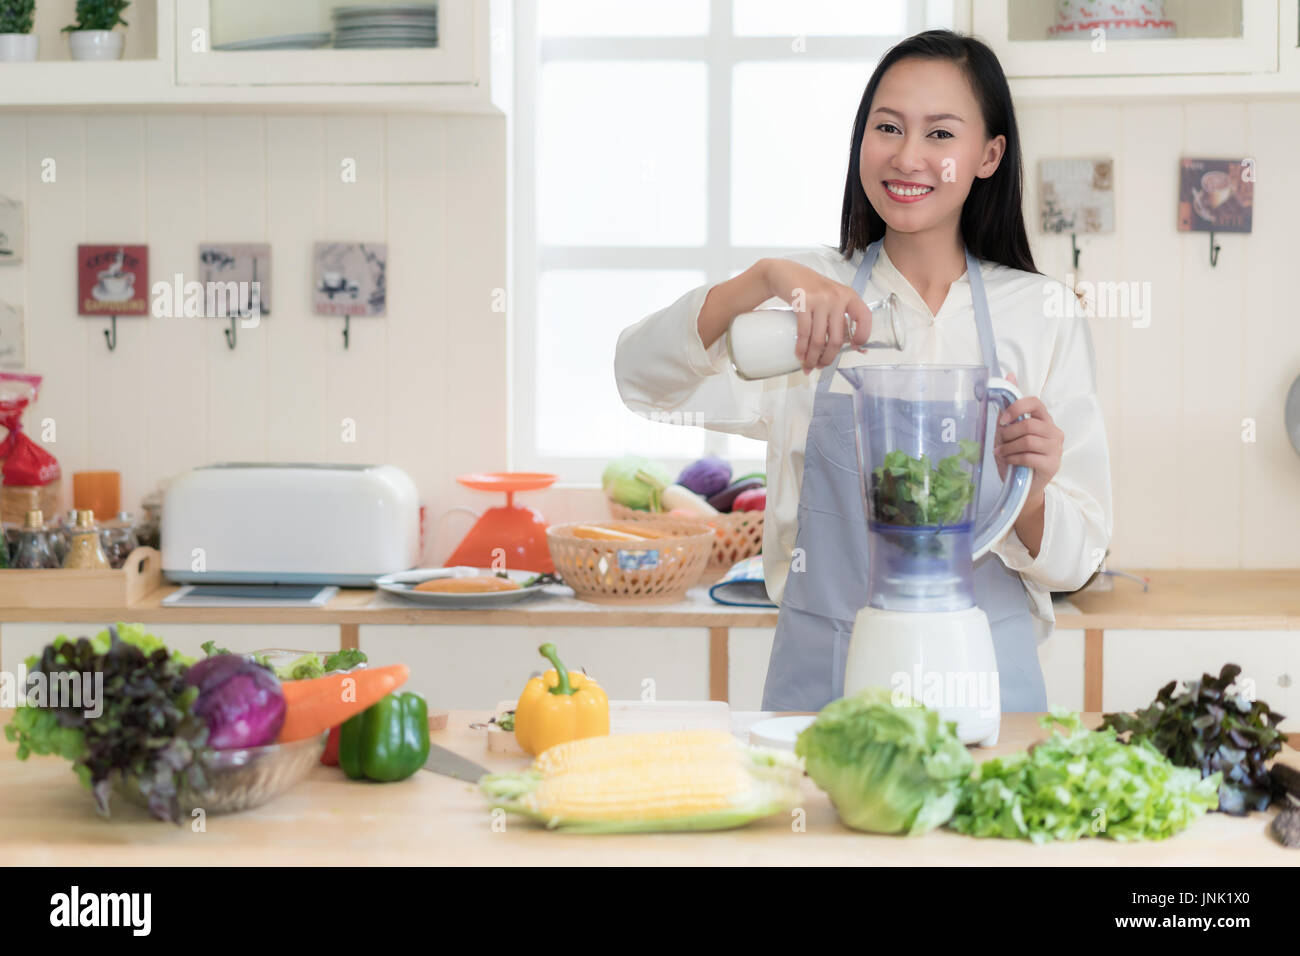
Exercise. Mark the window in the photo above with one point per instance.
(660, 145)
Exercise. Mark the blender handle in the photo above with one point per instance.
(1015, 490)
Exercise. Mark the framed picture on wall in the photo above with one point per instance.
(1076, 195)
(11, 230)
(13, 338)
(248, 265)
(348, 278)
(1215, 195)
(112, 280)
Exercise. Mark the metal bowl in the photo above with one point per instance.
(241, 779)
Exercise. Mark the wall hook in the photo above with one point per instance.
(1074, 248)
(347, 324)
(1214, 250)
(231, 335)
(111, 337)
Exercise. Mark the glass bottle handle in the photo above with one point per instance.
(1015, 489)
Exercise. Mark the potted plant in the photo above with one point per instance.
(16, 40)
(92, 37)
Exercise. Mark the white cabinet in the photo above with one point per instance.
(1212, 37)
(1138, 663)
(170, 60)
(452, 61)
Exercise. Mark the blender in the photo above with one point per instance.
(920, 433)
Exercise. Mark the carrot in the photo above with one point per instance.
(314, 706)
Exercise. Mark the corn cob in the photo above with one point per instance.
(627, 750)
(690, 780)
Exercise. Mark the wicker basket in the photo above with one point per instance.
(623, 572)
(739, 534)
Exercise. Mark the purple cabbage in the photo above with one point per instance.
(705, 477)
(240, 701)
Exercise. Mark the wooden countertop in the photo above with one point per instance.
(1176, 600)
(558, 607)
(50, 819)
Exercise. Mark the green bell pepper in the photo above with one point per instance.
(388, 741)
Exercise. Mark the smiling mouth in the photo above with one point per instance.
(908, 191)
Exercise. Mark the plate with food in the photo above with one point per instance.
(465, 586)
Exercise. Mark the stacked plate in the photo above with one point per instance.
(289, 41)
(376, 27)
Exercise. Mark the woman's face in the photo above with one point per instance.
(924, 145)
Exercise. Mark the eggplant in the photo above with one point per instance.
(708, 476)
(725, 498)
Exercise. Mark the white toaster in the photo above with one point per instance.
(290, 524)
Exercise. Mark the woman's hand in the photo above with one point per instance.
(1037, 443)
(821, 305)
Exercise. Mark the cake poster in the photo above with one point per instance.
(1216, 195)
(348, 278)
(1076, 195)
(113, 280)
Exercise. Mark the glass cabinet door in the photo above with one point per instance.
(1045, 38)
(325, 42)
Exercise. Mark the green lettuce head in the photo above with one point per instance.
(887, 768)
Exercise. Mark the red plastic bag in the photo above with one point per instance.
(25, 462)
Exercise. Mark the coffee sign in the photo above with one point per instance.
(112, 280)
(1216, 195)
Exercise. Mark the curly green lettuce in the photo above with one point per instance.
(1083, 783)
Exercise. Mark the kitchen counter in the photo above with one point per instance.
(1195, 600)
(46, 817)
(1176, 600)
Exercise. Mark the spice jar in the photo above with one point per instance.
(149, 531)
(85, 550)
(34, 551)
(118, 538)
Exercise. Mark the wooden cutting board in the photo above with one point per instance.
(635, 717)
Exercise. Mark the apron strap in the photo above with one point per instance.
(869, 257)
(983, 323)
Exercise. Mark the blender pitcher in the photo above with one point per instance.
(920, 434)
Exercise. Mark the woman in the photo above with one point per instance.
(932, 212)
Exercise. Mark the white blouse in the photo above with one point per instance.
(662, 366)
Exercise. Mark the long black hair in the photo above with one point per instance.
(992, 221)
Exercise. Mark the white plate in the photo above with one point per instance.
(400, 584)
(779, 733)
(389, 23)
(290, 41)
(383, 31)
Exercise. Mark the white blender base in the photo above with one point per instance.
(943, 659)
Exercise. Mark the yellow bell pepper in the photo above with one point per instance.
(558, 707)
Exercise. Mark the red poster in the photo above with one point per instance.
(113, 280)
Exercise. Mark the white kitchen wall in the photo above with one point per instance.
(425, 386)
(1223, 344)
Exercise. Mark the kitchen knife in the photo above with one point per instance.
(450, 764)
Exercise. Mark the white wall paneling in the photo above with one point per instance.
(425, 385)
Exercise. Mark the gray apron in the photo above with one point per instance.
(824, 595)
